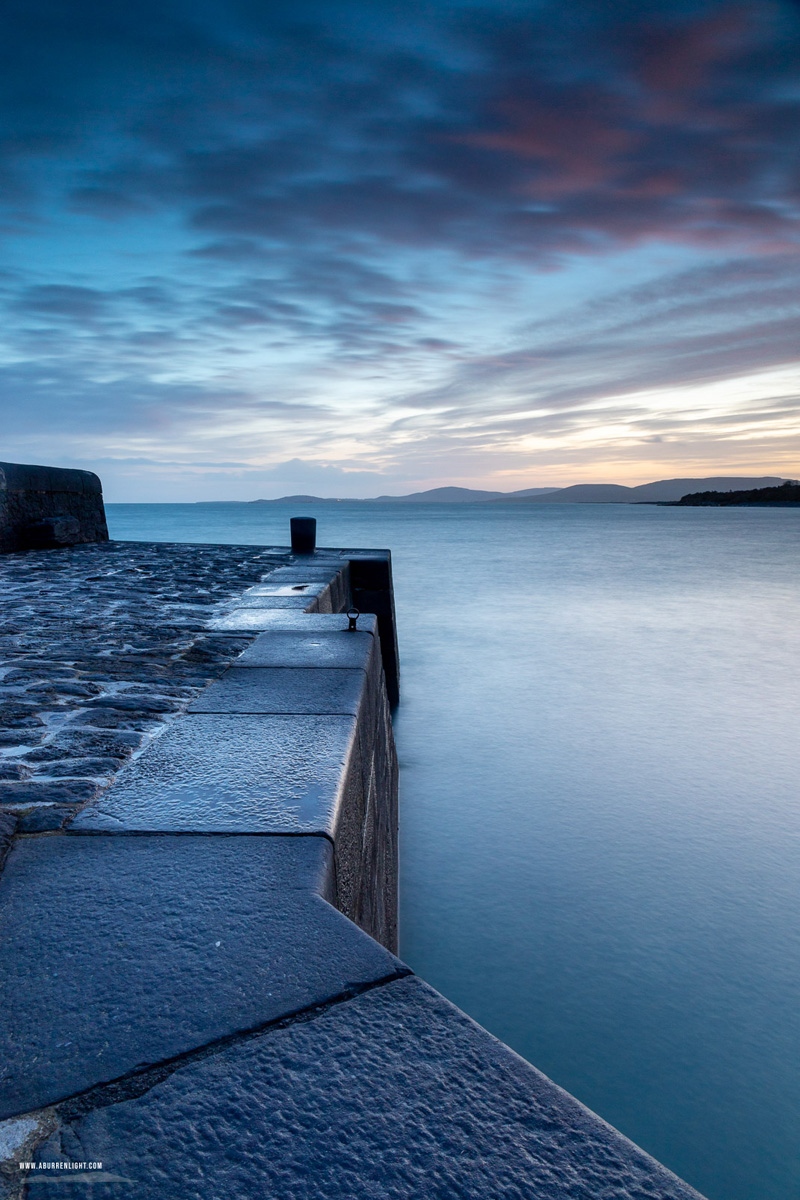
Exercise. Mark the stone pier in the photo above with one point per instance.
(201, 998)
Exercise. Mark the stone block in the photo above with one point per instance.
(232, 774)
(335, 575)
(283, 690)
(257, 619)
(294, 603)
(338, 649)
(138, 949)
(297, 590)
(393, 1095)
(308, 570)
(44, 818)
(370, 569)
(309, 596)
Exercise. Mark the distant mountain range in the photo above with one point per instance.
(580, 493)
(649, 493)
(459, 495)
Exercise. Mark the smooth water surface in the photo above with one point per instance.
(600, 818)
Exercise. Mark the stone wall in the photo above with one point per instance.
(44, 507)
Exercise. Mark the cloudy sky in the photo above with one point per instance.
(255, 248)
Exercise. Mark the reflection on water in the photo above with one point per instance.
(600, 799)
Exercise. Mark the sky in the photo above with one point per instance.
(250, 249)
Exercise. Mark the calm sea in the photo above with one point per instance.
(600, 817)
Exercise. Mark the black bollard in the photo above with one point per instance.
(304, 534)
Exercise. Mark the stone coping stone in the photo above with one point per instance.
(24, 477)
(232, 774)
(298, 601)
(124, 951)
(301, 587)
(301, 572)
(393, 1095)
(338, 649)
(283, 690)
(261, 619)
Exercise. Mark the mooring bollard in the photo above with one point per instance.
(304, 534)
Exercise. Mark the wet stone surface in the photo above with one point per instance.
(393, 1095)
(233, 773)
(100, 646)
(245, 939)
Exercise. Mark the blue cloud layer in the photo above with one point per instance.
(251, 225)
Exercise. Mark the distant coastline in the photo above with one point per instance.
(661, 491)
(786, 495)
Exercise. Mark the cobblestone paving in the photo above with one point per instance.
(100, 646)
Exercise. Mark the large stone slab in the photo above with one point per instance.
(300, 602)
(311, 568)
(283, 690)
(256, 619)
(281, 587)
(122, 951)
(393, 1095)
(334, 649)
(232, 774)
(333, 576)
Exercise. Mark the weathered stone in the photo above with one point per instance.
(164, 690)
(78, 767)
(66, 791)
(126, 703)
(18, 716)
(10, 771)
(65, 687)
(244, 940)
(332, 649)
(393, 1095)
(282, 587)
(283, 690)
(77, 741)
(310, 571)
(18, 736)
(285, 621)
(49, 506)
(232, 774)
(44, 818)
(115, 718)
(212, 649)
(27, 674)
(300, 603)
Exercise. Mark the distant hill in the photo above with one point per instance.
(673, 489)
(526, 493)
(661, 491)
(444, 495)
(291, 500)
(786, 493)
(580, 493)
